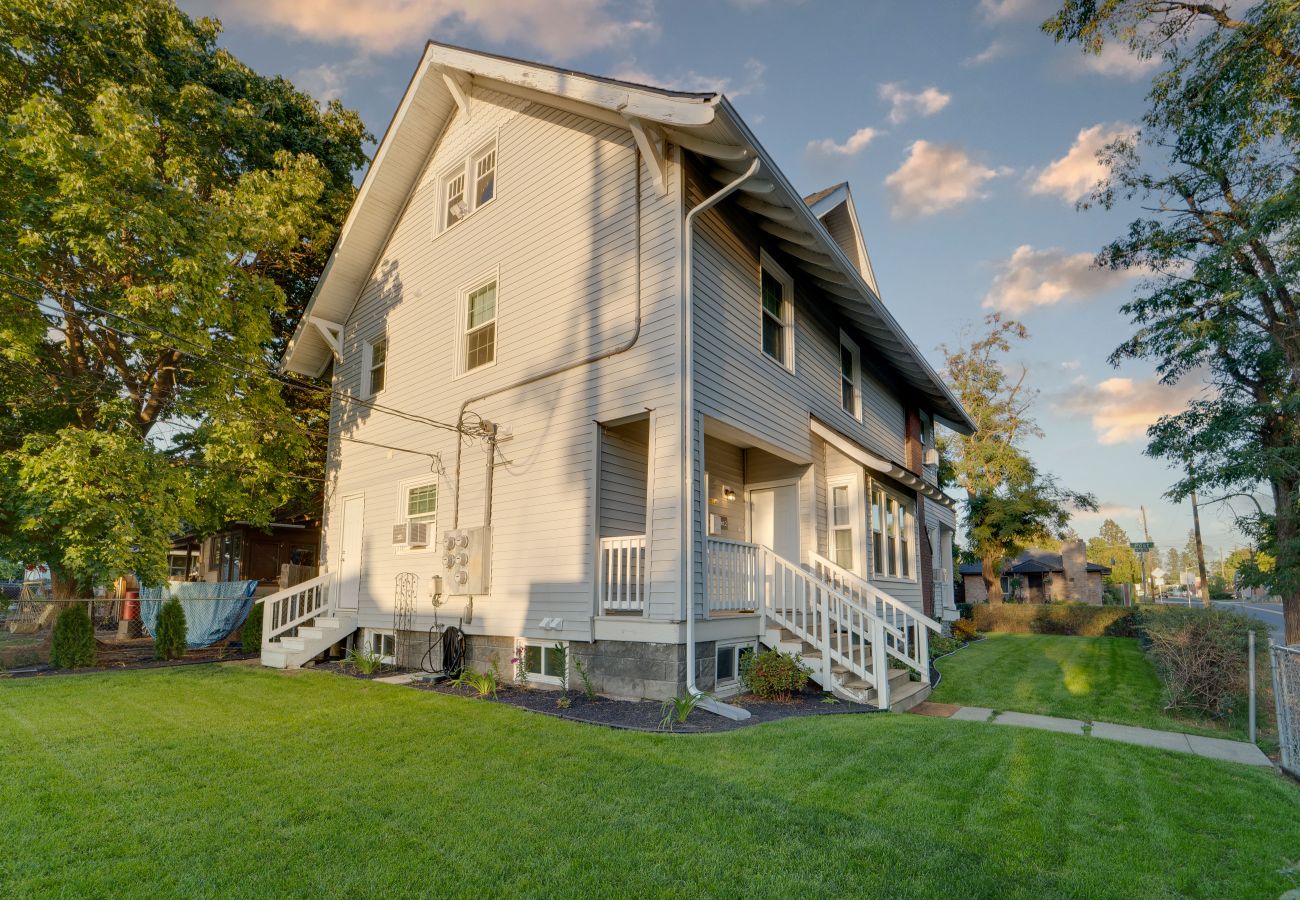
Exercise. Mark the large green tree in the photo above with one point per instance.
(1010, 505)
(1111, 548)
(1216, 166)
(164, 214)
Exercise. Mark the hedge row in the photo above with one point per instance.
(1056, 618)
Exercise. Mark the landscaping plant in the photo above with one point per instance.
(169, 640)
(677, 709)
(1082, 619)
(73, 643)
(588, 689)
(364, 660)
(773, 675)
(482, 683)
(521, 667)
(964, 630)
(1200, 655)
(250, 637)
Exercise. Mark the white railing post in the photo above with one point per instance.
(268, 620)
(923, 651)
(880, 663)
(825, 603)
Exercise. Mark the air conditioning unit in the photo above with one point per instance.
(932, 456)
(411, 534)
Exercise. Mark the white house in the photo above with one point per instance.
(601, 369)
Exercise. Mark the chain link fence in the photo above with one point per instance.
(1286, 694)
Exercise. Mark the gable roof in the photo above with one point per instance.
(703, 123)
(1033, 562)
(834, 207)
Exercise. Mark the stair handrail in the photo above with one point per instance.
(911, 645)
(843, 629)
(284, 611)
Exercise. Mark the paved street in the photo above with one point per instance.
(1269, 613)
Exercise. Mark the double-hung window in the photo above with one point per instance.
(892, 524)
(850, 370)
(480, 339)
(420, 507)
(375, 363)
(468, 186)
(777, 312)
(842, 526)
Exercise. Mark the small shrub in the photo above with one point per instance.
(564, 703)
(588, 689)
(521, 667)
(964, 630)
(676, 710)
(364, 660)
(482, 683)
(1199, 654)
(251, 637)
(169, 639)
(1082, 619)
(964, 610)
(773, 675)
(563, 652)
(941, 645)
(73, 642)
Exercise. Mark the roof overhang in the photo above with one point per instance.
(704, 124)
(862, 455)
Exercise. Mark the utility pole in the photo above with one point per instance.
(1200, 548)
(1148, 580)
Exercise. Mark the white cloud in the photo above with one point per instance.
(856, 143)
(328, 81)
(1001, 10)
(905, 104)
(751, 81)
(995, 50)
(561, 28)
(1117, 61)
(1030, 278)
(935, 177)
(1074, 175)
(1121, 409)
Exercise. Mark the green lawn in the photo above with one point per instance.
(234, 781)
(1102, 679)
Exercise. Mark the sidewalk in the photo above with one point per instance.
(1211, 748)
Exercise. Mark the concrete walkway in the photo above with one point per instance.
(1211, 748)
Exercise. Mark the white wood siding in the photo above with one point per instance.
(623, 467)
(561, 233)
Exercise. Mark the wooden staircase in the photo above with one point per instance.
(904, 693)
(302, 622)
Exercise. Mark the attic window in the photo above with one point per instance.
(468, 185)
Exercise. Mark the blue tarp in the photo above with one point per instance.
(213, 609)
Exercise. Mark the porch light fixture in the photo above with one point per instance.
(728, 494)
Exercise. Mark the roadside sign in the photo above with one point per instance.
(1143, 546)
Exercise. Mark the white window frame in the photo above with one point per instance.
(854, 408)
(467, 168)
(383, 636)
(733, 685)
(853, 484)
(368, 365)
(462, 343)
(879, 570)
(542, 677)
(770, 266)
(184, 555)
(404, 516)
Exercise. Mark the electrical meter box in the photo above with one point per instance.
(466, 557)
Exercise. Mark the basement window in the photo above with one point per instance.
(728, 665)
(544, 663)
(384, 646)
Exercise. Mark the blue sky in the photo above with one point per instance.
(965, 133)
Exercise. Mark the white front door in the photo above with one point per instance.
(774, 519)
(350, 551)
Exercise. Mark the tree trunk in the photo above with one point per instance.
(63, 587)
(1287, 564)
(992, 578)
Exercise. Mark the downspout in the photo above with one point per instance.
(687, 413)
(532, 379)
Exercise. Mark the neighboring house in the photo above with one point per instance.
(594, 282)
(1038, 576)
(241, 551)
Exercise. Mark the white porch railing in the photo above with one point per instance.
(817, 612)
(623, 578)
(285, 611)
(731, 571)
(908, 630)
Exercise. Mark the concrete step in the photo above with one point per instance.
(912, 694)
(293, 643)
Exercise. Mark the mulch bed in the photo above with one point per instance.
(137, 653)
(644, 715)
(343, 667)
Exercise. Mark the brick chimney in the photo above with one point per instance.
(1074, 560)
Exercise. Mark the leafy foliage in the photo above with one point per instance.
(484, 684)
(1081, 619)
(169, 641)
(1200, 655)
(676, 710)
(1010, 505)
(588, 686)
(1217, 167)
(251, 635)
(165, 215)
(364, 660)
(773, 675)
(1111, 548)
(73, 641)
